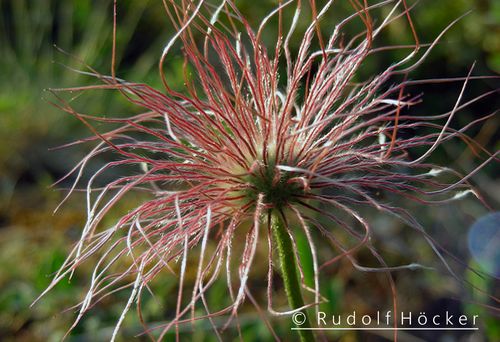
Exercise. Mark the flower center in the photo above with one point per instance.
(278, 187)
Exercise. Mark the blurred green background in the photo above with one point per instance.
(34, 241)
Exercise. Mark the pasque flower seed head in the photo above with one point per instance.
(257, 131)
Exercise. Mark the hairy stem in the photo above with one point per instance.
(289, 272)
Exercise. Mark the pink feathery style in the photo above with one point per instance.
(260, 143)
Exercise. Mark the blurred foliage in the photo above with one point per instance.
(34, 242)
(42, 41)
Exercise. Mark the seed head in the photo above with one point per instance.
(257, 130)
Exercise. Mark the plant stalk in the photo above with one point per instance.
(289, 272)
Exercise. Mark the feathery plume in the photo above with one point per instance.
(260, 143)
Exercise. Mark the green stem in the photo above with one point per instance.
(289, 272)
